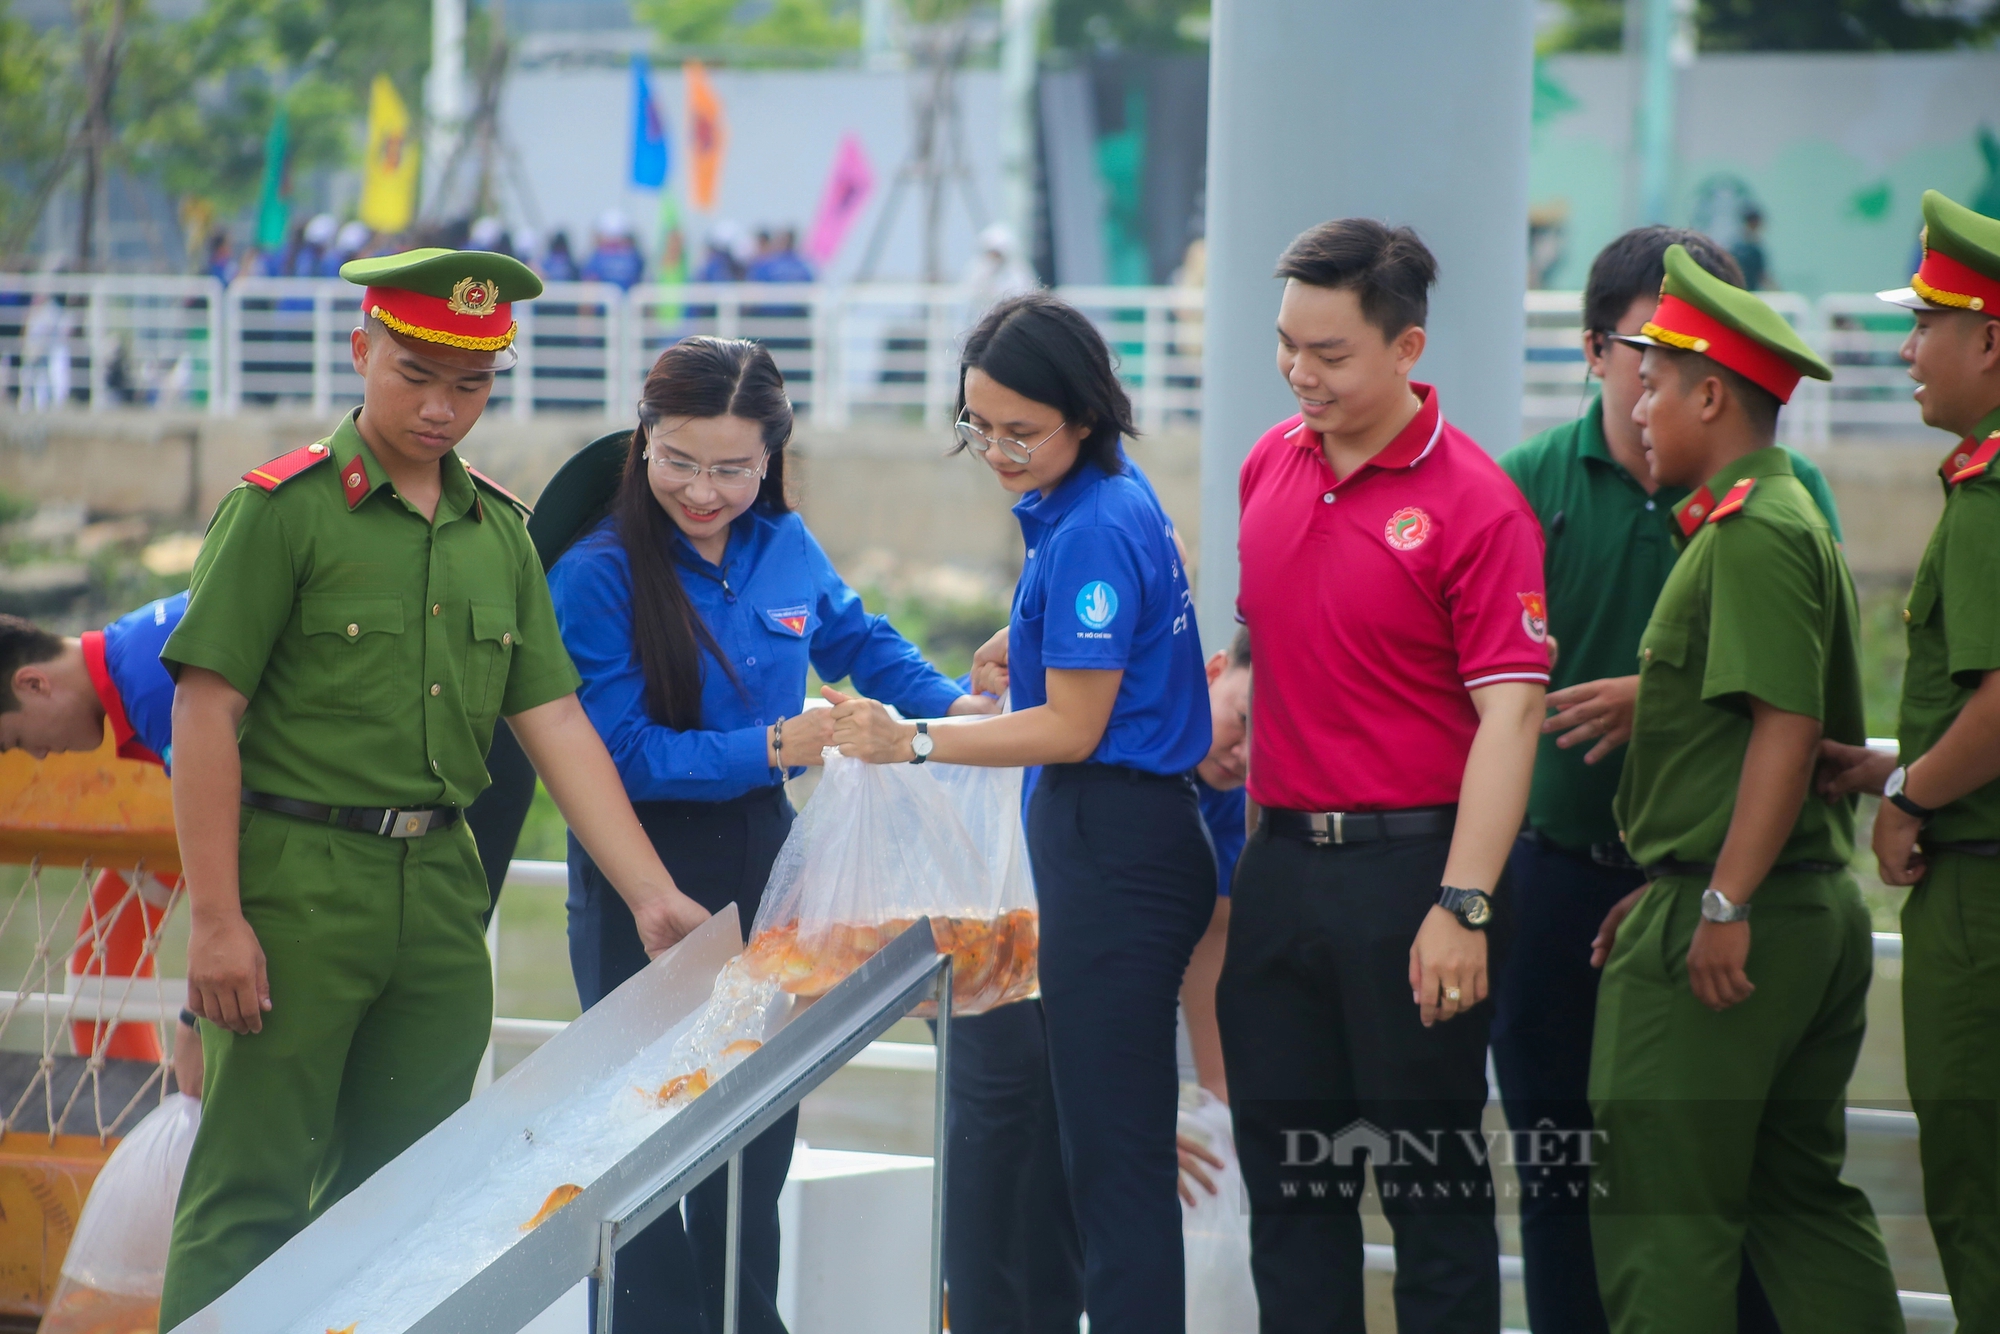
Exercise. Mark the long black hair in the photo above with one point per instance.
(696, 377)
(1043, 348)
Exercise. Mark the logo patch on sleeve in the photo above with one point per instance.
(790, 619)
(1096, 604)
(1534, 617)
(1408, 528)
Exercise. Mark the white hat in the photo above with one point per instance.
(321, 229)
(997, 236)
(353, 236)
(613, 223)
(485, 234)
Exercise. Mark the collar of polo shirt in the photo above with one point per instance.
(1412, 445)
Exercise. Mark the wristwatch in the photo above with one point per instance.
(921, 743)
(1717, 908)
(1892, 791)
(1472, 907)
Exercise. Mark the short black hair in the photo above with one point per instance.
(1239, 647)
(1043, 348)
(1635, 264)
(1389, 268)
(22, 644)
(1760, 405)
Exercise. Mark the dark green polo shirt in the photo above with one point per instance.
(1954, 628)
(1610, 547)
(376, 648)
(1759, 604)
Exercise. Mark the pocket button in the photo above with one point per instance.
(352, 629)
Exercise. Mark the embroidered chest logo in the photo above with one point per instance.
(1408, 528)
(790, 618)
(1534, 617)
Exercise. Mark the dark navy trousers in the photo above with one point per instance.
(1545, 1008)
(669, 1277)
(1125, 876)
(1012, 1257)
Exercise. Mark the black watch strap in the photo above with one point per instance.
(1910, 808)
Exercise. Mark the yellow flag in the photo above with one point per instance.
(389, 178)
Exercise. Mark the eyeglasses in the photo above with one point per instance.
(1015, 451)
(726, 476)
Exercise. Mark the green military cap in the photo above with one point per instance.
(578, 495)
(450, 298)
(1961, 265)
(1699, 312)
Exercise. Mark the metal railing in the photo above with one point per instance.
(869, 351)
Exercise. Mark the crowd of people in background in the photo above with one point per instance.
(318, 246)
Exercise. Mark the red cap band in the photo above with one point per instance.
(473, 320)
(1943, 281)
(1678, 324)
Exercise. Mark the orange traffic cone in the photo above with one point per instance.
(115, 926)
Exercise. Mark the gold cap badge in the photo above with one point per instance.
(473, 296)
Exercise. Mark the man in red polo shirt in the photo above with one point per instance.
(1392, 582)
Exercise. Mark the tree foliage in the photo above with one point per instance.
(1133, 25)
(1789, 25)
(789, 25)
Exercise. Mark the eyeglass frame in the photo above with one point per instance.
(980, 442)
(753, 476)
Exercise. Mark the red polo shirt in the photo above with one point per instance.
(1375, 604)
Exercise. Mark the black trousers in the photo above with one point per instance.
(670, 1276)
(1327, 1060)
(1545, 1011)
(1012, 1257)
(1125, 876)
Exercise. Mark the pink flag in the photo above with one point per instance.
(847, 191)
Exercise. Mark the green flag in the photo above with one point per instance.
(274, 211)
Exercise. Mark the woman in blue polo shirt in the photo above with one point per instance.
(1110, 697)
(692, 611)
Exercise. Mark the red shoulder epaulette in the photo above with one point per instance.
(1980, 462)
(499, 490)
(1694, 511)
(270, 476)
(1733, 502)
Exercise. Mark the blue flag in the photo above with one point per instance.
(649, 130)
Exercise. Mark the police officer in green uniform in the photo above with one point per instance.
(1719, 1070)
(1939, 827)
(364, 609)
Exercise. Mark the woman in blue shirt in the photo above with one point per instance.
(692, 611)
(1110, 696)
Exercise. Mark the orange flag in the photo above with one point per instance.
(708, 134)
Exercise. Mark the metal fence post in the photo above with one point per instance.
(1153, 361)
(524, 362)
(215, 349)
(322, 367)
(940, 1146)
(93, 324)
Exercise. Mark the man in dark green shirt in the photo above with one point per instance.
(1939, 827)
(1611, 542)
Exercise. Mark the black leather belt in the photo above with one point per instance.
(1978, 847)
(1674, 866)
(388, 821)
(1340, 827)
(1610, 854)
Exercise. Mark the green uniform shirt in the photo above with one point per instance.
(1760, 603)
(376, 648)
(1954, 616)
(1610, 548)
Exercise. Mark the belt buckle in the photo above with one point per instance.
(406, 824)
(1326, 826)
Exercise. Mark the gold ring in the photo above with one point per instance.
(1451, 993)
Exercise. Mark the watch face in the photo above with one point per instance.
(920, 744)
(1478, 909)
(1894, 785)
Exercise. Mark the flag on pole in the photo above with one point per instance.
(708, 134)
(389, 173)
(848, 186)
(274, 211)
(649, 130)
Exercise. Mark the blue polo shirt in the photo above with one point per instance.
(774, 605)
(1222, 811)
(1103, 589)
(132, 684)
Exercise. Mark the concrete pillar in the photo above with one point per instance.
(1414, 112)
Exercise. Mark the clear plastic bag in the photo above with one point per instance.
(1215, 1229)
(117, 1260)
(988, 803)
(878, 847)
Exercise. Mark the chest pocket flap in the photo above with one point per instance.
(793, 620)
(1664, 641)
(351, 618)
(1923, 601)
(494, 623)
(494, 636)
